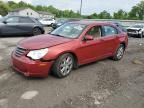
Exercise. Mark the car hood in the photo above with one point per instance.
(135, 28)
(42, 41)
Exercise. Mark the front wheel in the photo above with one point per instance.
(119, 53)
(63, 65)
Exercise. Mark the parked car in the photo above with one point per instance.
(120, 26)
(20, 25)
(136, 30)
(60, 22)
(67, 47)
(47, 21)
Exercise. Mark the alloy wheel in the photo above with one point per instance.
(66, 65)
(120, 52)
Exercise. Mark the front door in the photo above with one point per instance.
(91, 50)
(10, 26)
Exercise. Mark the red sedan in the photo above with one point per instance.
(69, 46)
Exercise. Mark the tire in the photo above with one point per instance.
(139, 36)
(142, 34)
(119, 53)
(36, 31)
(63, 65)
(51, 25)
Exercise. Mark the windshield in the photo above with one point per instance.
(138, 26)
(69, 30)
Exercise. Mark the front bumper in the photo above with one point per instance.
(30, 67)
(134, 34)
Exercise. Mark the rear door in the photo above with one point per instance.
(109, 38)
(26, 25)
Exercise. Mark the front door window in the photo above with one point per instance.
(95, 32)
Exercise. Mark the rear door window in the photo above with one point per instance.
(25, 20)
(109, 31)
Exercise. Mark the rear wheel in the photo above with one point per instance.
(63, 65)
(51, 25)
(119, 53)
(37, 31)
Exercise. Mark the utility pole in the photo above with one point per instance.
(81, 7)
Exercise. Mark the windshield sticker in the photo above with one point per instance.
(78, 28)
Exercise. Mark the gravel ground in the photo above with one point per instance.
(103, 84)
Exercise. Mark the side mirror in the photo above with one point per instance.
(5, 22)
(88, 37)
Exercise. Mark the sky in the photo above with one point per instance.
(89, 6)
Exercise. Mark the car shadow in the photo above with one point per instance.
(95, 62)
(14, 36)
(130, 36)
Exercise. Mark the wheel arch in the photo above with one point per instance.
(76, 61)
(39, 28)
(123, 43)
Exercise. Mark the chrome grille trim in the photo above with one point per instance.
(20, 51)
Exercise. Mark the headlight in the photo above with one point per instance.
(37, 54)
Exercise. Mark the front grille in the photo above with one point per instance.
(20, 51)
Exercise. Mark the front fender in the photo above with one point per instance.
(56, 51)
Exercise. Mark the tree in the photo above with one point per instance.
(11, 4)
(137, 11)
(104, 15)
(141, 10)
(3, 8)
(93, 16)
(133, 14)
(120, 14)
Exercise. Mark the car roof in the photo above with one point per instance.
(19, 16)
(92, 22)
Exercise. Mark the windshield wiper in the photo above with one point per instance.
(58, 35)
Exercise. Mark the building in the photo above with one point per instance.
(24, 12)
(31, 13)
